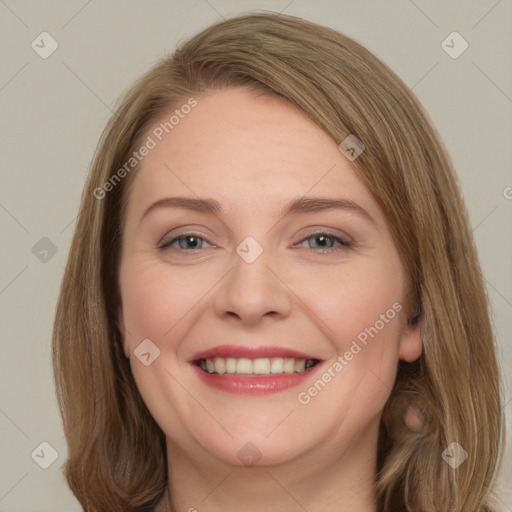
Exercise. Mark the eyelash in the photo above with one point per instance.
(345, 244)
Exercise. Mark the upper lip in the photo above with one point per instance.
(250, 352)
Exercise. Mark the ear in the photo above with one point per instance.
(411, 344)
(121, 328)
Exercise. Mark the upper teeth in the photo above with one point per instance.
(261, 366)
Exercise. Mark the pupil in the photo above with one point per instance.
(191, 242)
(323, 240)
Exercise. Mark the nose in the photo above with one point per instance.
(252, 291)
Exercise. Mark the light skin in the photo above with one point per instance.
(254, 154)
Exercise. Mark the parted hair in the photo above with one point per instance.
(116, 452)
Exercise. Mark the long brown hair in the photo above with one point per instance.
(116, 452)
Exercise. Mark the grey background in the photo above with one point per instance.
(52, 114)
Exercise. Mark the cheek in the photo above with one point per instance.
(157, 299)
(361, 311)
(350, 300)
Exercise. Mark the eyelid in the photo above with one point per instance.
(166, 241)
(335, 233)
(344, 241)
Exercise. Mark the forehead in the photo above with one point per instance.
(247, 149)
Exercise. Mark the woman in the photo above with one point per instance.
(271, 266)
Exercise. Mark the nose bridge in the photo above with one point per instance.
(251, 290)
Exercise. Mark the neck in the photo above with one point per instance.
(321, 480)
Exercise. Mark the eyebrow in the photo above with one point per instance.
(296, 206)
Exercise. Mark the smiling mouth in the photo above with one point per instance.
(260, 366)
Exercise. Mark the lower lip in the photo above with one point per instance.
(251, 384)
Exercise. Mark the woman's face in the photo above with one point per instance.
(275, 271)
